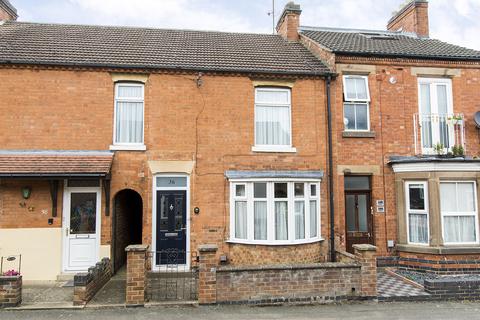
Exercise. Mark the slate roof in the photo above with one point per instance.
(386, 44)
(20, 163)
(130, 47)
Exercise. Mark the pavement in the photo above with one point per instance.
(46, 295)
(113, 293)
(360, 311)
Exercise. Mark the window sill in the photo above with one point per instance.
(119, 147)
(276, 243)
(358, 134)
(274, 149)
(450, 249)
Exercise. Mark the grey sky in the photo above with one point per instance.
(454, 21)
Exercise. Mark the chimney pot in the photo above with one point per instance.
(287, 25)
(412, 17)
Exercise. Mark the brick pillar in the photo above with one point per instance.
(207, 277)
(365, 254)
(136, 274)
(10, 291)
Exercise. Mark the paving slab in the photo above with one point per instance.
(46, 295)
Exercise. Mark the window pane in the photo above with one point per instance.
(416, 195)
(299, 219)
(361, 87)
(272, 125)
(313, 219)
(260, 190)
(281, 220)
(357, 183)
(418, 228)
(350, 89)
(171, 182)
(466, 197)
(362, 213)
(448, 199)
(129, 122)
(349, 116)
(240, 190)
(281, 190)
(361, 111)
(241, 219)
(299, 190)
(442, 99)
(83, 213)
(350, 207)
(425, 107)
(260, 220)
(313, 190)
(459, 229)
(273, 97)
(129, 92)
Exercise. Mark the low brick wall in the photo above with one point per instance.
(450, 288)
(440, 264)
(318, 282)
(87, 284)
(10, 291)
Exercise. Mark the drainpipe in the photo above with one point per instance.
(330, 170)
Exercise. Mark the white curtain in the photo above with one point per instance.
(272, 125)
(260, 220)
(418, 228)
(459, 228)
(281, 220)
(299, 219)
(356, 88)
(125, 91)
(129, 122)
(241, 219)
(313, 219)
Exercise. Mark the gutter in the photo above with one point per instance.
(330, 170)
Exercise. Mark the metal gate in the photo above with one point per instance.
(174, 280)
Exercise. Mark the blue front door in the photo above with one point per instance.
(171, 227)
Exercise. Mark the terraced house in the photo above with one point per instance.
(277, 149)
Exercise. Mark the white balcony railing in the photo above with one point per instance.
(438, 133)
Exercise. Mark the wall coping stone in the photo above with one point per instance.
(208, 248)
(137, 248)
(326, 265)
(438, 250)
(364, 247)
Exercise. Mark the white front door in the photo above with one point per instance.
(81, 228)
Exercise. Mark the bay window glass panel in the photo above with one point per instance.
(260, 220)
(466, 197)
(281, 190)
(129, 122)
(418, 228)
(240, 190)
(281, 220)
(299, 190)
(260, 190)
(272, 125)
(313, 219)
(299, 219)
(416, 196)
(241, 219)
(448, 199)
(459, 229)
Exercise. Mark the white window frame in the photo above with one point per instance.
(349, 101)
(409, 211)
(433, 84)
(461, 214)
(270, 147)
(271, 211)
(125, 145)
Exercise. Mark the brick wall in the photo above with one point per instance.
(10, 291)
(136, 274)
(86, 285)
(450, 288)
(446, 263)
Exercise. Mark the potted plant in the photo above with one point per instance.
(11, 285)
(439, 149)
(456, 119)
(458, 151)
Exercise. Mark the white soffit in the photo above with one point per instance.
(436, 166)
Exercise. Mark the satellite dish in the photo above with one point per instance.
(476, 118)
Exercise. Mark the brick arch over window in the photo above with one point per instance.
(127, 223)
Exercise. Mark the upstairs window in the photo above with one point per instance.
(356, 99)
(129, 109)
(272, 119)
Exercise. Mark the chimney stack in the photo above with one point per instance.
(412, 17)
(7, 11)
(287, 25)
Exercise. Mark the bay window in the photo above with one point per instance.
(458, 203)
(272, 120)
(275, 212)
(129, 115)
(416, 195)
(356, 99)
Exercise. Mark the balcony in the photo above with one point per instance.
(437, 134)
